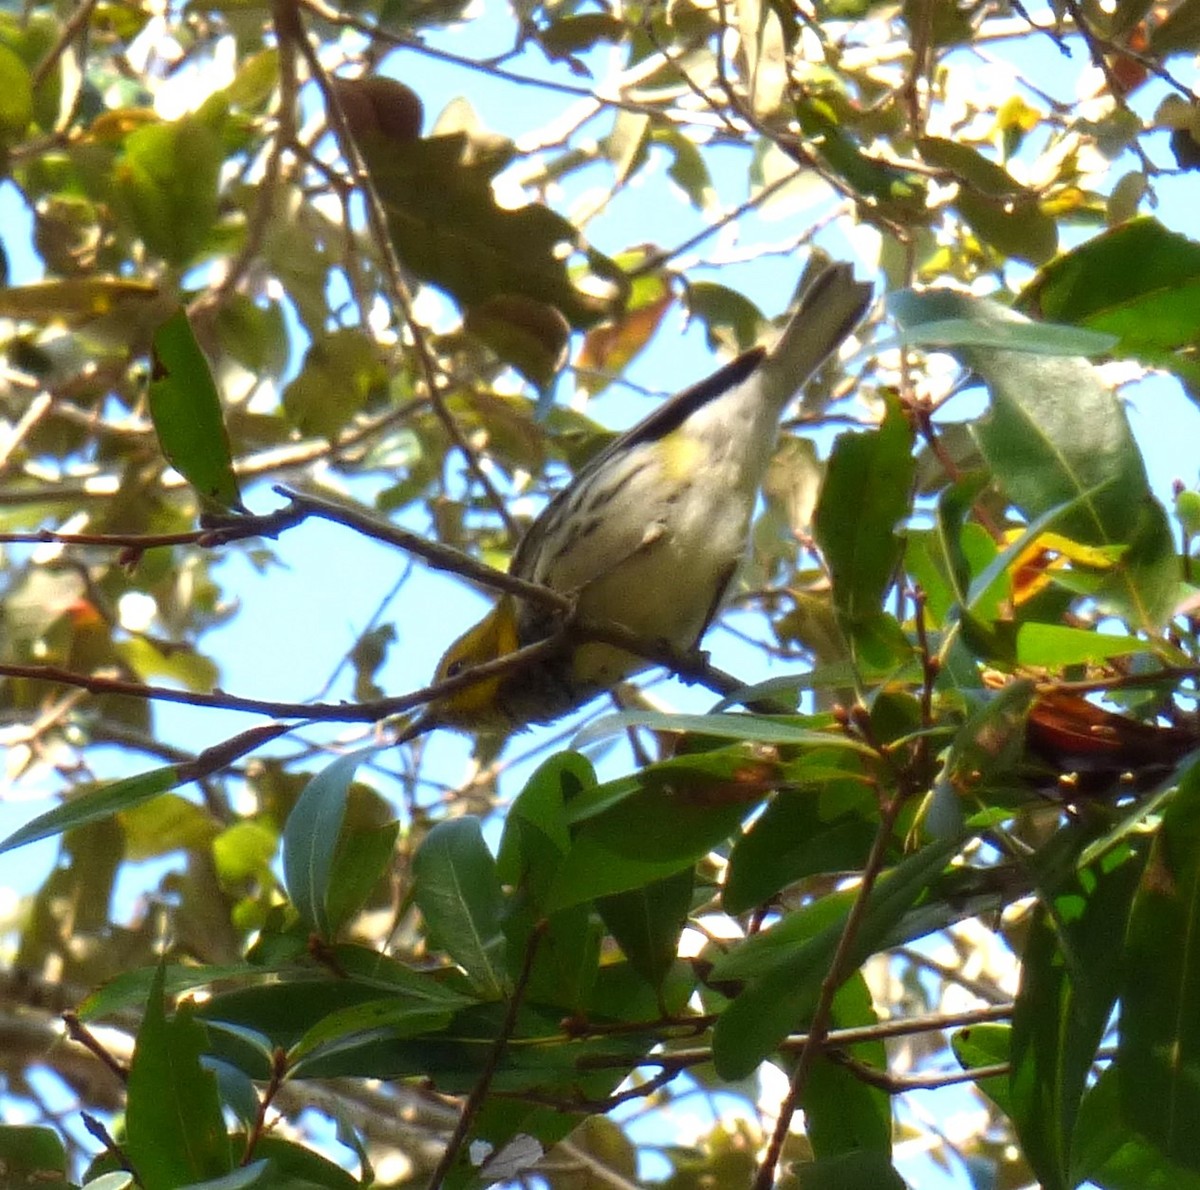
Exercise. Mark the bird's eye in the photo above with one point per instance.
(457, 666)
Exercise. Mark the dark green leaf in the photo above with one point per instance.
(986, 748)
(1107, 1152)
(360, 1024)
(310, 839)
(175, 1131)
(842, 1113)
(797, 836)
(133, 987)
(299, 1168)
(851, 1171)
(186, 410)
(977, 1046)
(363, 856)
(536, 829)
(1069, 983)
(1056, 435)
(567, 959)
(457, 889)
(788, 962)
(1180, 32)
(523, 332)
(654, 824)
(1139, 282)
(1159, 1049)
(646, 922)
(866, 497)
(284, 1011)
(95, 804)
(257, 1173)
(32, 1158)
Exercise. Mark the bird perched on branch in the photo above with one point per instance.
(647, 536)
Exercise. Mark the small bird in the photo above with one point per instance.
(649, 534)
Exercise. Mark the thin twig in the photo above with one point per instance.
(898, 1084)
(479, 1091)
(75, 23)
(78, 1031)
(397, 286)
(834, 978)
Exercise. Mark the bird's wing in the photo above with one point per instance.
(830, 308)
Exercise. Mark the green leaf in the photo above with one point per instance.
(1180, 32)
(373, 1020)
(131, 988)
(971, 166)
(867, 494)
(744, 728)
(797, 836)
(842, 1114)
(363, 856)
(1033, 338)
(74, 300)
(1108, 1152)
(16, 98)
(165, 824)
(987, 748)
(342, 372)
(457, 889)
(186, 410)
(977, 1046)
(654, 824)
(286, 1010)
(166, 186)
(528, 334)
(1056, 434)
(788, 962)
(567, 959)
(646, 922)
(310, 839)
(1138, 282)
(96, 804)
(244, 851)
(32, 1158)
(257, 1173)
(536, 829)
(851, 1171)
(295, 1166)
(1016, 227)
(1069, 983)
(173, 1119)
(730, 319)
(893, 187)
(1056, 645)
(1159, 1043)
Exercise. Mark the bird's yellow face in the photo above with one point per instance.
(476, 706)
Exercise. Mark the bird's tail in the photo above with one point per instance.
(829, 310)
